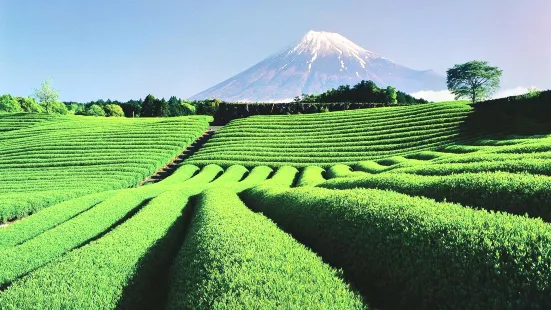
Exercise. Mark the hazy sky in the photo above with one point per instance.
(126, 49)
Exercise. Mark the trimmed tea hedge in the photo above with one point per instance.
(409, 252)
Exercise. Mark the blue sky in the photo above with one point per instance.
(126, 49)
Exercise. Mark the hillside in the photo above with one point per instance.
(421, 207)
(345, 137)
(45, 159)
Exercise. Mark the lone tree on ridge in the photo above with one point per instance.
(475, 80)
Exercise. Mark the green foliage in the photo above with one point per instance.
(87, 232)
(38, 251)
(391, 95)
(9, 104)
(113, 110)
(48, 98)
(326, 139)
(58, 107)
(161, 108)
(236, 259)
(284, 176)
(256, 176)
(108, 266)
(34, 225)
(74, 108)
(498, 191)
(311, 176)
(153, 107)
(339, 171)
(188, 109)
(83, 156)
(148, 106)
(95, 110)
(207, 107)
(173, 105)
(178, 107)
(475, 80)
(532, 93)
(29, 105)
(363, 92)
(405, 252)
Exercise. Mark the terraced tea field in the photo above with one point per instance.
(47, 159)
(389, 208)
(344, 137)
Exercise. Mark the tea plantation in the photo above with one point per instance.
(47, 159)
(433, 206)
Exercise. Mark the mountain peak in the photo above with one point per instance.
(319, 34)
(318, 62)
(324, 43)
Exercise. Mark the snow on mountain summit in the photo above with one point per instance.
(321, 42)
(318, 62)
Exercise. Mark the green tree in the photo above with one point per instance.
(188, 109)
(9, 104)
(29, 105)
(391, 95)
(207, 106)
(148, 106)
(48, 98)
(161, 108)
(95, 110)
(113, 110)
(174, 106)
(58, 107)
(533, 92)
(76, 108)
(178, 107)
(475, 80)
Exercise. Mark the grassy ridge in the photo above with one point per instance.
(498, 191)
(236, 259)
(407, 252)
(311, 176)
(48, 218)
(330, 138)
(119, 266)
(356, 174)
(47, 159)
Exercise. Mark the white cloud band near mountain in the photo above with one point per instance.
(445, 95)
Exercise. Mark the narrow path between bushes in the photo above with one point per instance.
(169, 169)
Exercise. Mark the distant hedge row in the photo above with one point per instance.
(524, 114)
(228, 111)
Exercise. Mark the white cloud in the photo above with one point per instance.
(511, 92)
(436, 96)
(445, 95)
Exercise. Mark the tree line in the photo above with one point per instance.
(363, 92)
(45, 100)
(475, 80)
(149, 107)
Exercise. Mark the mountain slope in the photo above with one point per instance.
(317, 63)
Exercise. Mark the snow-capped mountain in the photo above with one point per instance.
(318, 62)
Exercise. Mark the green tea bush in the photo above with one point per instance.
(415, 253)
(236, 259)
(311, 176)
(498, 191)
(122, 267)
(47, 159)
